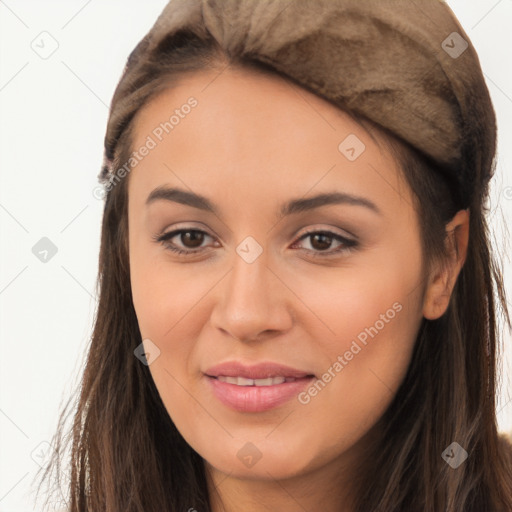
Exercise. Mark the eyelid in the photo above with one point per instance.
(348, 243)
(329, 229)
(184, 226)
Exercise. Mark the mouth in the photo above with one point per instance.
(245, 395)
(259, 373)
(255, 387)
(269, 381)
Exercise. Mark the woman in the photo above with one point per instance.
(297, 306)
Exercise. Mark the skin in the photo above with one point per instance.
(253, 142)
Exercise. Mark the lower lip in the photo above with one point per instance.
(257, 398)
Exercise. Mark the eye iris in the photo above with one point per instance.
(196, 237)
(321, 236)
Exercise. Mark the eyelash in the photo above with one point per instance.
(348, 245)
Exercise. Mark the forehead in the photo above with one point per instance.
(258, 133)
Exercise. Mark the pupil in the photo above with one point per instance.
(325, 245)
(194, 236)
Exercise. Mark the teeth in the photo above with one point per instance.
(242, 381)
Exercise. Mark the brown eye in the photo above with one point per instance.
(190, 239)
(321, 241)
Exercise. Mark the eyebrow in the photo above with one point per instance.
(293, 206)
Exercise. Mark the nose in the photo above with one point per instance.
(252, 301)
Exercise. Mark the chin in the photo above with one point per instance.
(264, 460)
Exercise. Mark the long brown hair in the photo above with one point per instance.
(125, 453)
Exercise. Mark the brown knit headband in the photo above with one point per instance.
(407, 65)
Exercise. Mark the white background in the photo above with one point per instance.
(52, 123)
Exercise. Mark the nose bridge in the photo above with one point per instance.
(251, 299)
(248, 287)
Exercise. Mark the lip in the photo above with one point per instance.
(256, 398)
(261, 370)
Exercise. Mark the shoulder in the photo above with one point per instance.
(505, 445)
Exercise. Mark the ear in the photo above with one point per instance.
(442, 280)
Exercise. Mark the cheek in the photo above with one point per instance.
(366, 336)
(378, 299)
(170, 313)
(164, 292)
(366, 367)
(172, 308)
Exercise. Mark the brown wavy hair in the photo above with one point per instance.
(126, 455)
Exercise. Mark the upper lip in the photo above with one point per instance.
(261, 370)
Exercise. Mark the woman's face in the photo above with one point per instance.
(331, 287)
